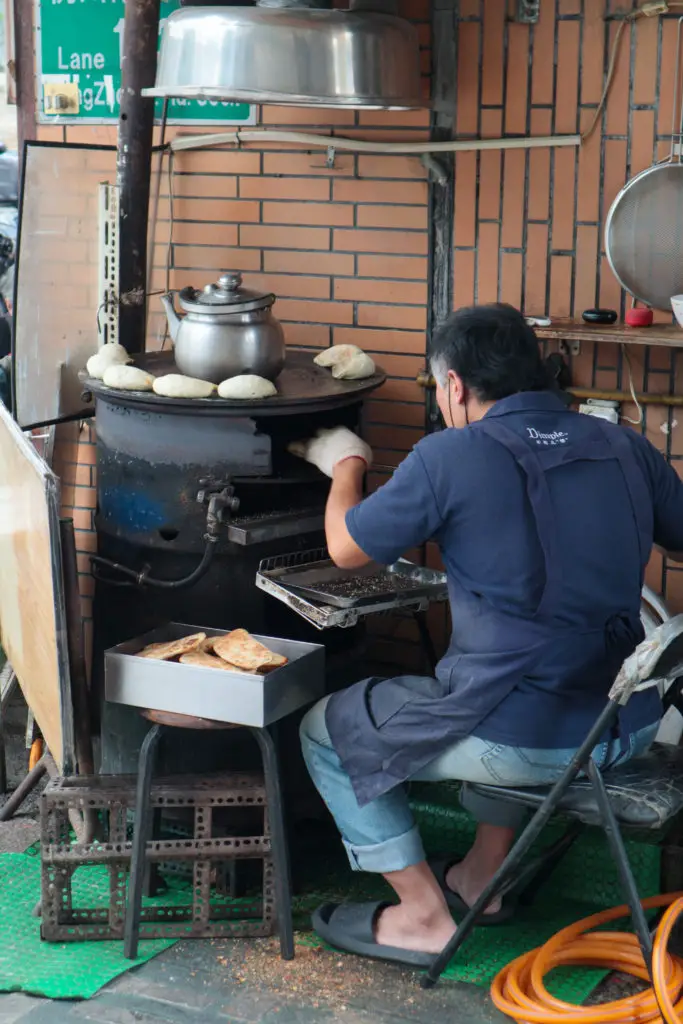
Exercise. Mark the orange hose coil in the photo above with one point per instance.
(519, 990)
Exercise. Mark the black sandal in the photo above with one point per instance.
(441, 866)
(350, 927)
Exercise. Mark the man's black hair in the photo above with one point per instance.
(492, 349)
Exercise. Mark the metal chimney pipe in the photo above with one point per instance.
(134, 166)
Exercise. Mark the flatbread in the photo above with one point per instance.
(241, 649)
(205, 660)
(172, 648)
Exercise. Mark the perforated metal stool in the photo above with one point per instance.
(274, 827)
(78, 907)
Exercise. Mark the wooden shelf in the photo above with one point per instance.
(667, 335)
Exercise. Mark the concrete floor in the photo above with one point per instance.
(201, 983)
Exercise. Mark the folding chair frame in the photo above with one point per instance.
(509, 870)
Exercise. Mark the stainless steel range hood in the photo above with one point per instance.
(294, 55)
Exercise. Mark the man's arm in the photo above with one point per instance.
(400, 515)
(346, 492)
(667, 492)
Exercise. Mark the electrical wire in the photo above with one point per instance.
(611, 68)
(519, 990)
(169, 246)
(171, 217)
(632, 389)
(654, 8)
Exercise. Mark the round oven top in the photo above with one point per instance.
(302, 387)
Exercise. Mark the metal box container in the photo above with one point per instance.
(238, 697)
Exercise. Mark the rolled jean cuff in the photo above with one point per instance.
(393, 854)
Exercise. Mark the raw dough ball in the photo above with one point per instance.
(108, 355)
(128, 378)
(348, 362)
(95, 367)
(356, 367)
(175, 385)
(335, 354)
(247, 385)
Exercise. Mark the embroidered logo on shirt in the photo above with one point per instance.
(557, 437)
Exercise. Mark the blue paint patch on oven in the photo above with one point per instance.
(131, 509)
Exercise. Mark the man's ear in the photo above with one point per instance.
(456, 388)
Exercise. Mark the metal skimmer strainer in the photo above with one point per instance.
(644, 228)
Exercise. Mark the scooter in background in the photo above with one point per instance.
(7, 256)
(9, 225)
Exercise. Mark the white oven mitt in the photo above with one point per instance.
(330, 447)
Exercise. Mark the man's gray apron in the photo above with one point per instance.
(386, 730)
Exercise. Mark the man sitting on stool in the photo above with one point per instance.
(545, 520)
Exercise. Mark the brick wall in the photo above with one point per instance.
(529, 226)
(74, 463)
(345, 248)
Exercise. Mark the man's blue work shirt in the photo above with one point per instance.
(466, 492)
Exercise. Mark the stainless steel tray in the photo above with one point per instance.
(312, 604)
(237, 697)
(326, 583)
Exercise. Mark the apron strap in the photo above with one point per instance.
(540, 501)
(612, 445)
(636, 484)
(607, 444)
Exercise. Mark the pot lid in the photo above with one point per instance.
(224, 296)
(292, 53)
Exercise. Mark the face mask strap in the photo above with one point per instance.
(450, 410)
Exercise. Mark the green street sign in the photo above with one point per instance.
(81, 41)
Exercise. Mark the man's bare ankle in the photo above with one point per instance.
(424, 915)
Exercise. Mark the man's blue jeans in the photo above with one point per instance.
(383, 837)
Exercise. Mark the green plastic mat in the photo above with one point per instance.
(582, 884)
(69, 970)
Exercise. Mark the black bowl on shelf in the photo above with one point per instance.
(600, 316)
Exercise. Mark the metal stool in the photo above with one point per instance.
(143, 825)
(78, 907)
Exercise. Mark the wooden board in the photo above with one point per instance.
(667, 335)
(32, 615)
(56, 308)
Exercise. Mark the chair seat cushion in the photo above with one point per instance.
(644, 793)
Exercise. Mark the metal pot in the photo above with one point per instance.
(226, 330)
